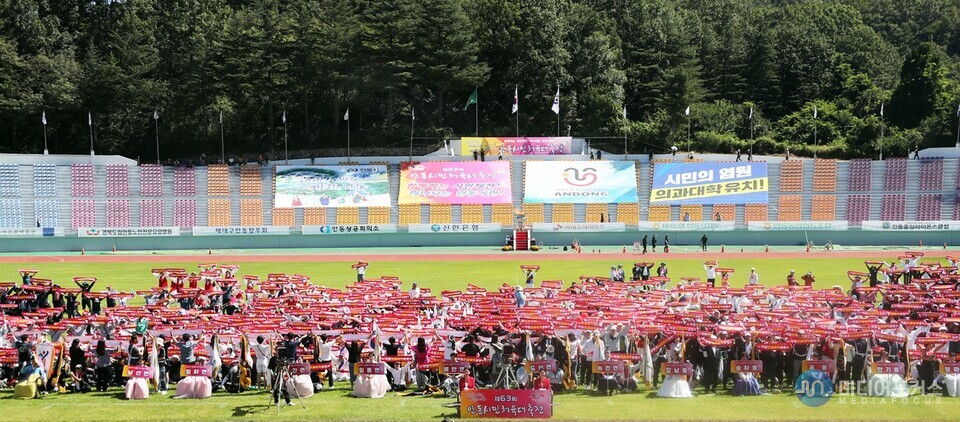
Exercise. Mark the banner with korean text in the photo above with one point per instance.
(470, 182)
(241, 231)
(127, 231)
(517, 146)
(910, 225)
(455, 228)
(687, 226)
(506, 404)
(579, 182)
(580, 227)
(350, 229)
(709, 183)
(332, 186)
(798, 225)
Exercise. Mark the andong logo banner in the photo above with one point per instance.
(580, 182)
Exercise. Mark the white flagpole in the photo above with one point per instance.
(751, 131)
(413, 117)
(156, 132)
(90, 125)
(882, 127)
(43, 119)
(816, 142)
(626, 155)
(958, 128)
(476, 106)
(286, 156)
(223, 155)
(348, 134)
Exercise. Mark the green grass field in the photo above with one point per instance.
(337, 405)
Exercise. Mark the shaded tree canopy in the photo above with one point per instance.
(251, 61)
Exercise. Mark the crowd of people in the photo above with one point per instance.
(553, 335)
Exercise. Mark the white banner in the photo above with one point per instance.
(797, 225)
(687, 226)
(127, 231)
(580, 227)
(454, 228)
(910, 225)
(580, 182)
(31, 232)
(241, 231)
(350, 229)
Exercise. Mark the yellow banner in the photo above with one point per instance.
(709, 190)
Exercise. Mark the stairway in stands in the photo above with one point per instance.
(521, 240)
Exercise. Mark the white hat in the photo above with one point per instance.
(793, 271)
(753, 269)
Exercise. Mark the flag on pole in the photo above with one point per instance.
(687, 111)
(556, 102)
(751, 113)
(624, 112)
(346, 116)
(89, 119)
(221, 117)
(284, 118)
(156, 114)
(958, 110)
(516, 100)
(43, 118)
(881, 109)
(471, 100)
(413, 114)
(814, 111)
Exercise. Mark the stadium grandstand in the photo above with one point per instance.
(70, 194)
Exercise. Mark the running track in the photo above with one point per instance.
(506, 256)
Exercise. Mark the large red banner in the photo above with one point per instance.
(506, 404)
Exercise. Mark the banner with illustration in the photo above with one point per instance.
(332, 186)
(709, 183)
(471, 182)
(580, 182)
(517, 146)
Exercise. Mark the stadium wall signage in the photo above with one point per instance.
(454, 228)
(470, 182)
(241, 231)
(681, 226)
(797, 225)
(910, 225)
(128, 231)
(350, 229)
(579, 182)
(709, 183)
(332, 186)
(580, 227)
(31, 232)
(517, 146)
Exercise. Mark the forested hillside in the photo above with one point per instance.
(252, 60)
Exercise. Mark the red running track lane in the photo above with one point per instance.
(506, 256)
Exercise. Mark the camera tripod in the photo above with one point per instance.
(507, 378)
(282, 373)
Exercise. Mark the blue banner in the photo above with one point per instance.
(709, 183)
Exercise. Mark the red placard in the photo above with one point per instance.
(950, 368)
(300, 368)
(371, 368)
(506, 404)
(139, 372)
(548, 365)
(320, 367)
(608, 367)
(454, 368)
(820, 365)
(195, 371)
(894, 368)
(684, 368)
(746, 366)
